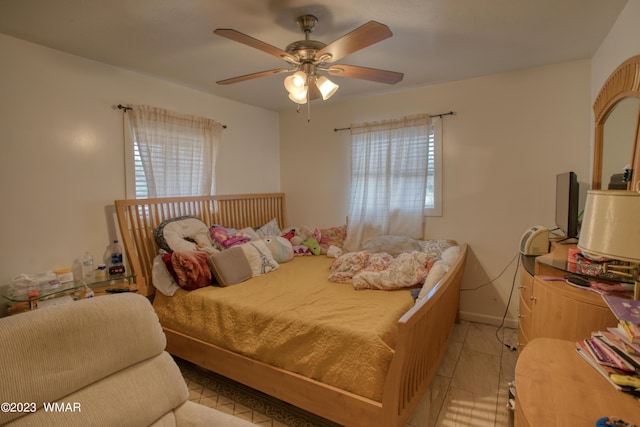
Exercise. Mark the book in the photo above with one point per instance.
(619, 356)
(623, 308)
(619, 380)
(605, 371)
(631, 331)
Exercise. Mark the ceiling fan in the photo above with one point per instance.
(307, 58)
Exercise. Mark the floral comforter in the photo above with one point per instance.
(366, 270)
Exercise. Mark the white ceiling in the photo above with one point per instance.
(433, 41)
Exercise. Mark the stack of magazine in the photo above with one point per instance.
(615, 353)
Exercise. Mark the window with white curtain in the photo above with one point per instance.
(433, 197)
(395, 177)
(173, 154)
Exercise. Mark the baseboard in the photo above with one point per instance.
(488, 320)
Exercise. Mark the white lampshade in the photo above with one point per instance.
(296, 82)
(326, 87)
(300, 97)
(611, 225)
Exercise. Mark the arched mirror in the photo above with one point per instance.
(617, 115)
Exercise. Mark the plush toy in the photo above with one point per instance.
(289, 234)
(280, 248)
(334, 251)
(301, 250)
(303, 233)
(313, 245)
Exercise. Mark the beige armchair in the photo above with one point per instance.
(94, 362)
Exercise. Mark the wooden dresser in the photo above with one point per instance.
(555, 309)
(556, 387)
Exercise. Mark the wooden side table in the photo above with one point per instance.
(555, 386)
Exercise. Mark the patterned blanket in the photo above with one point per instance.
(366, 270)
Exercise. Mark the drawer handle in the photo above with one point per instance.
(532, 298)
(522, 287)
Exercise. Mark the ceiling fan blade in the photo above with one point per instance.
(363, 36)
(239, 37)
(364, 73)
(252, 76)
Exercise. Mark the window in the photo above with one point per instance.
(140, 179)
(394, 178)
(173, 154)
(433, 198)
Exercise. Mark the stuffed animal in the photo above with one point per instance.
(280, 248)
(313, 245)
(334, 251)
(289, 234)
(301, 250)
(303, 233)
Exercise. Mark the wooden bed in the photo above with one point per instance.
(420, 346)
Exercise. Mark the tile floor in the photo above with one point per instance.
(470, 389)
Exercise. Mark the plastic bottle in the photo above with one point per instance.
(88, 271)
(116, 267)
(115, 254)
(101, 273)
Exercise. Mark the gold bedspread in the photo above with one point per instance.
(296, 319)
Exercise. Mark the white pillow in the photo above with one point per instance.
(251, 233)
(269, 229)
(162, 279)
(259, 257)
(450, 255)
(176, 232)
(438, 270)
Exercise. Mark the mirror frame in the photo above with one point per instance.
(623, 82)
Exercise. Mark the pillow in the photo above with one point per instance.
(166, 258)
(251, 233)
(259, 257)
(280, 248)
(437, 271)
(435, 247)
(191, 269)
(269, 229)
(393, 245)
(162, 279)
(450, 255)
(333, 236)
(230, 267)
(184, 233)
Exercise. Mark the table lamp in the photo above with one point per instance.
(611, 229)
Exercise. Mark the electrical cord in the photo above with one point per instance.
(506, 310)
(495, 278)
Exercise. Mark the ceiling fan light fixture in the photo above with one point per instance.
(300, 97)
(326, 87)
(296, 82)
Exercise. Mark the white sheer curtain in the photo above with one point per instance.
(178, 151)
(388, 179)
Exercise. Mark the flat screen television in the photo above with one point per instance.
(567, 194)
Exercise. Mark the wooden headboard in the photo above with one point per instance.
(138, 218)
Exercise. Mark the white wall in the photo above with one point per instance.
(61, 164)
(512, 133)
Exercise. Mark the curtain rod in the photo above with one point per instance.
(125, 108)
(450, 113)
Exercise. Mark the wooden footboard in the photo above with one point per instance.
(423, 335)
(423, 332)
